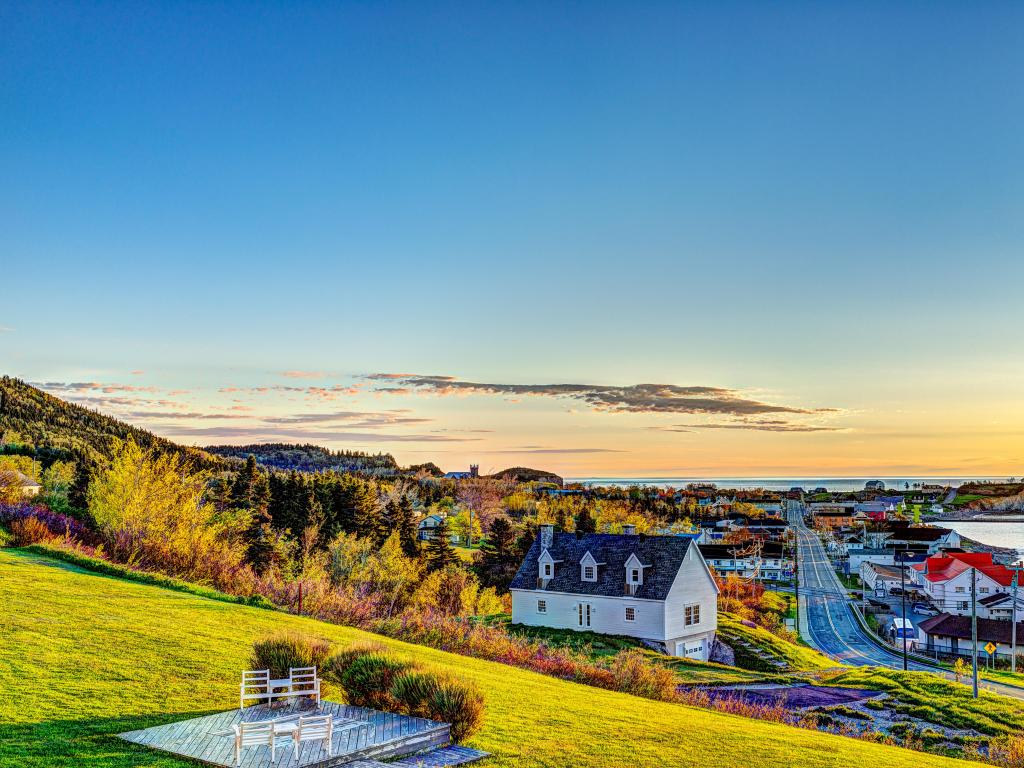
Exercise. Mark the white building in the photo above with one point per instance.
(657, 588)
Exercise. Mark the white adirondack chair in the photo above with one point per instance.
(313, 728)
(304, 682)
(255, 685)
(259, 733)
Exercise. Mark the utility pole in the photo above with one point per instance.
(974, 629)
(903, 600)
(1013, 625)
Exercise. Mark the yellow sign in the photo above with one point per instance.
(990, 648)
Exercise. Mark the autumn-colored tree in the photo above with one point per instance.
(151, 509)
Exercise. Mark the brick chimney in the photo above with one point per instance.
(547, 536)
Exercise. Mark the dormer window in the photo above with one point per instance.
(547, 570)
(546, 566)
(588, 568)
(634, 576)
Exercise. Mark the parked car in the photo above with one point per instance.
(895, 591)
(923, 609)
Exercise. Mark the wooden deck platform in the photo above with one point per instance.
(359, 734)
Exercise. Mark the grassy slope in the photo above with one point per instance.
(86, 656)
(794, 657)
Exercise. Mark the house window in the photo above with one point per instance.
(691, 615)
(983, 590)
(630, 613)
(961, 589)
(961, 606)
(589, 573)
(542, 606)
(634, 575)
(547, 569)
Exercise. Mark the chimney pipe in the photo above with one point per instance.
(629, 530)
(547, 535)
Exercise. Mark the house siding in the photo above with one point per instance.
(608, 614)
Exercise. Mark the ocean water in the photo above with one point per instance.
(1000, 534)
(777, 483)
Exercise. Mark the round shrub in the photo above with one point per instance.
(28, 530)
(341, 660)
(367, 680)
(282, 651)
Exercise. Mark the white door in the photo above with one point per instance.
(584, 615)
(692, 649)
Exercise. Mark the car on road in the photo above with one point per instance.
(923, 609)
(895, 591)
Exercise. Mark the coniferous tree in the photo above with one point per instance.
(585, 522)
(499, 557)
(400, 520)
(440, 553)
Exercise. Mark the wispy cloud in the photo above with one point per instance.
(358, 419)
(270, 434)
(137, 373)
(539, 450)
(6, 329)
(304, 374)
(326, 393)
(200, 415)
(636, 398)
(761, 425)
(71, 387)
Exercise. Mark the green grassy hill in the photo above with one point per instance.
(86, 656)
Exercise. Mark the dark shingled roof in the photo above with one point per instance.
(769, 549)
(664, 555)
(948, 625)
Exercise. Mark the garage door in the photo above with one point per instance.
(692, 649)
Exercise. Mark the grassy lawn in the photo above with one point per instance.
(86, 656)
(689, 671)
(851, 581)
(465, 554)
(940, 701)
(966, 498)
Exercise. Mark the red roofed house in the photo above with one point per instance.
(946, 579)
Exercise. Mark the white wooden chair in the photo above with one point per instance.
(313, 728)
(254, 734)
(255, 685)
(304, 682)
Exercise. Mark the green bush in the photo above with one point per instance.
(413, 691)
(460, 704)
(280, 652)
(372, 677)
(367, 680)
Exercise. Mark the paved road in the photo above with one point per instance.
(826, 618)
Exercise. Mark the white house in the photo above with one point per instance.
(879, 579)
(657, 588)
(947, 579)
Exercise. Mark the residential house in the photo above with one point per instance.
(879, 579)
(950, 633)
(999, 606)
(749, 559)
(946, 579)
(427, 526)
(830, 521)
(657, 588)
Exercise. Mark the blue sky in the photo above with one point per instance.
(816, 205)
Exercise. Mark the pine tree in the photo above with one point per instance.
(440, 553)
(399, 519)
(499, 558)
(585, 522)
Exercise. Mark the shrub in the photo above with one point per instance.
(458, 703)
(368, 679)
(28, 530)
(413, 691)
(340, 661)
(633, 673)
(280, 652)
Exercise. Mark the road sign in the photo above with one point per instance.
(990, 648)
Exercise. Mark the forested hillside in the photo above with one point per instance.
(309, 458)
(36, 422)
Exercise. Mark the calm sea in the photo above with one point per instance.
(777, 483)
(996, 534)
